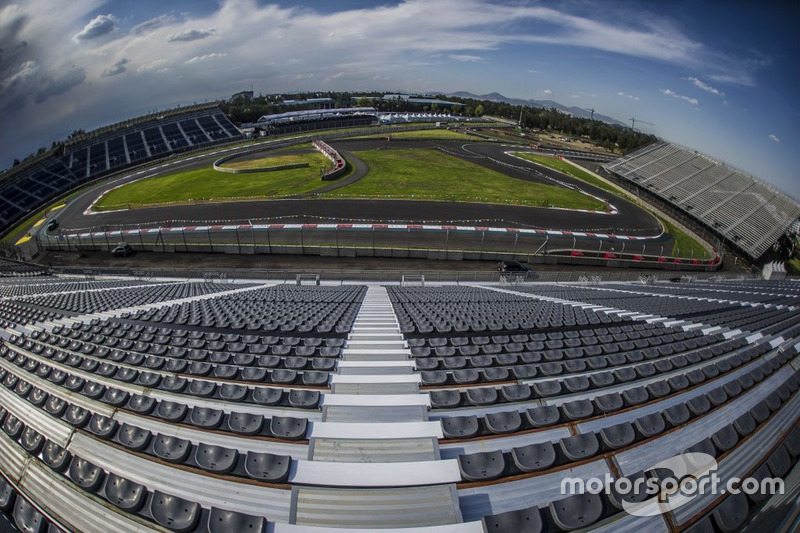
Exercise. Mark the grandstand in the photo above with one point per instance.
(91, 156)
(206, 407)
(746, 213)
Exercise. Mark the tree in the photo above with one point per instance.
(479, 110)
(16, 162)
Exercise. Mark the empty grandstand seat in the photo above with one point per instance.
(216, 459)
(85, 474)
(527, 520)
(174, 513)
(460, 427)
(481, 466)
(731, 514)
(578, 511)
(170, 448)
(533, 457)
(125, 494)
(503, 422)
(287, 427)
(223, 521)
(27, 518)
(618, 435)
(267, 466)
(579, 447)
(543, 415)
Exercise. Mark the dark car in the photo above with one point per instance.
(513, 266)
(123, 249)
(52, 225)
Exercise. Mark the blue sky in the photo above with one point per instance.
(717, 76)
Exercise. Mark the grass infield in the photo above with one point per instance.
(423, 174)
(207, 184)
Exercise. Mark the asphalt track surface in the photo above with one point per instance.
(629, 220)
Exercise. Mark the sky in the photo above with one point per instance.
(717, 76)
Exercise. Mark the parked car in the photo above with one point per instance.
(513, 266)
(52, 225)
(122, 249)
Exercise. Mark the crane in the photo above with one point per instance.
(633, 122)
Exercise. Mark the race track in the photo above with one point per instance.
(628, 220)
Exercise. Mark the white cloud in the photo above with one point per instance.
(98, 26)
(629, 96)
(687, 99)
(467, 58)
(774, 138)
(153, 24)
(704, 86)
(191, 35)
(205, 57)
(547, 92)
(117, 68)
(26, 71)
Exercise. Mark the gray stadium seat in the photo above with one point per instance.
(267, 395)
(725, 439)
(522, 521)
(649, 425)
(267, 466)
(103, 426)
(534, 457)
(56, 457)
(731, 514)
(482, 466)
(547, 388)
(543, 415)
(503, 422)
(577, 409)
(125, 494)
(27, 518)
(303, 398)
(216, 459)
(779, 462)
(143, 405)
(677, 414)
(608, 403)
(172, 449)
(85, 474)
(579, 447)
(222, 521)
(460, 427)
(578, 511)
(174, 513)
(133, 437)
(7, 496)
(287, 427)
(515, 393)
(245, 423)
(481, 395)
(445, 399)
(618, 435)
(171, 411)
(206, 417)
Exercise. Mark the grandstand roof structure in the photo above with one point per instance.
(745, 211)
(314, 114)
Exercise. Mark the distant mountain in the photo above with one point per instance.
(547, 104)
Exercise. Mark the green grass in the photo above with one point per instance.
(421, 134)
(793, 267)
(569, 170)
(207, 184)
(265, 162)
(685, 245)
(424, 174)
